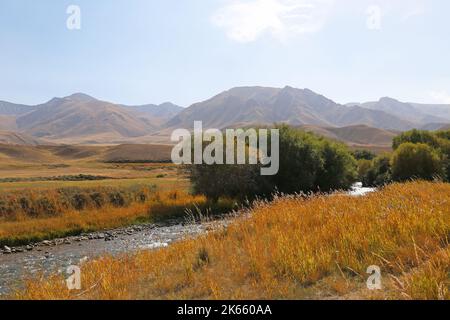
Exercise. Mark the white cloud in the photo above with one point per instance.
(440, 97)
(248, 20)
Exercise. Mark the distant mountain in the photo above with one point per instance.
(437, 110)
(418, 114)
(262, 105)
(82, 119)
(12, 109)
(80, 115)
(156, 115)
(436, 126)
(359, 135)
(165, 110)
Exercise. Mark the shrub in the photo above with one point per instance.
(416, 161)
(98, 199)
(377, 172)
(117, 199)
(45, 206)
(80, 201)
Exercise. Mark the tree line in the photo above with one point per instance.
(417, 154)
(310, 163)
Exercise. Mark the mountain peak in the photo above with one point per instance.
(82, 97)
(168, 105)
(388, 99)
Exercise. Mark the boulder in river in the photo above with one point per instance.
(7, 250)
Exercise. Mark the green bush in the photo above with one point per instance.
(416, 161)
(339, 167)
(376, 173)
(363, 155)
(307, 163)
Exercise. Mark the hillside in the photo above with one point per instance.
(27, 153)
(80, 116)
(13, 109)
(14, 138)
(436, 126)
(296, 107)
(8, 123)
(356, 135)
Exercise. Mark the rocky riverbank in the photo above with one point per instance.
(18, 263)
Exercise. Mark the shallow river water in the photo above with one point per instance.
(51, 258)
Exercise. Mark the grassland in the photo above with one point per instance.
(298, 248)
(80, 192)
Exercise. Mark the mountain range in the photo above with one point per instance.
(82, 119)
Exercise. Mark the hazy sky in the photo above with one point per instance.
(184, 51)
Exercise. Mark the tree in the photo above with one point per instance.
(416, 161)
(307, 163)
(417, 136)
(300, 160)
(378, 172)
(339, 167)
(363, 155)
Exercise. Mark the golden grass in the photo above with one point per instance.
(291, 248)
(24, 229)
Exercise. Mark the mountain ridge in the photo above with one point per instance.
(81, 118)
(285, 105)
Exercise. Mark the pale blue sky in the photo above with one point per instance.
(184, 51)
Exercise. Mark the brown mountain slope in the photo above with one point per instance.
(436, 126)
(138, 152)
(288, 105)
(66, 153)
(14, 109)
(14, 138)
(8, 123)
(364, 135)
(355, 135)
(27, 154)
(80, 116)
(165, 110)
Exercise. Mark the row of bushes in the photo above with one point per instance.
(36, 203)
(78, 177)
(417, 154)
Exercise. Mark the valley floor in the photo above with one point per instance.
(292, 248)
